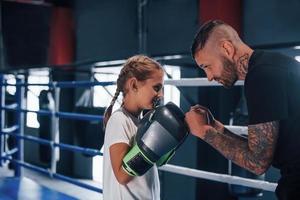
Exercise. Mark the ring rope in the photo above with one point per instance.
(196, 82)
(224, 178)
(175, 82)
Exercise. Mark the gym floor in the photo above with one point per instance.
(35, 186)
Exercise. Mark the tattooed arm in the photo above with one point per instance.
(255, 153)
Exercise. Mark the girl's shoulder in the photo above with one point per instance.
(121, 116)
(118, 115)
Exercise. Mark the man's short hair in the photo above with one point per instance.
(203, 34)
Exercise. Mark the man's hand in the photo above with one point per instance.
(200, 120)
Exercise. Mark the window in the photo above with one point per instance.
(10, 79)
(33, 92)
(171, 93)
(103, 94)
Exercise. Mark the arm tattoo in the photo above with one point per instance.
(254, 153)
(233, 135)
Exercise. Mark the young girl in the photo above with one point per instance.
(141, 82)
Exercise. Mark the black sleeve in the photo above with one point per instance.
(266, 94)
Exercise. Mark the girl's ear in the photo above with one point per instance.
(133, 84)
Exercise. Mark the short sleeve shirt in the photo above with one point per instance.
(122, 128)
(272, 90)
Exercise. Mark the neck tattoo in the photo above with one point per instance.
(242, 65)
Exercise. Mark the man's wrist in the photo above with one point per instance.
(218, 126)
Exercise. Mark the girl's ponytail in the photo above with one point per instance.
(108, 111)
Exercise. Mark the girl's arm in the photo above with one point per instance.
(117, 153)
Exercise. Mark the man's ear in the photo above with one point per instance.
(227, 48)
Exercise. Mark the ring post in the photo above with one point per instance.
(2, 112)
(20, 91)
(55, 131)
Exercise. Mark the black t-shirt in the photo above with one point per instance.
(272, 90)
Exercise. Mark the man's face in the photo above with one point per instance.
(228, 74)
(217, 67)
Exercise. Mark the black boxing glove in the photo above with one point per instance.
(159, 134)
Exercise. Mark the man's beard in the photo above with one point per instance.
(229, 73)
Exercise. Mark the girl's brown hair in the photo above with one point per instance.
(141, 67)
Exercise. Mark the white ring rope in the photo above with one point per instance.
(196, 82)
(239, 130)
(224, 178)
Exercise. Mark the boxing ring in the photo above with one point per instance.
(16, 155)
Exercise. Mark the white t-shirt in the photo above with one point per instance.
(121, 128)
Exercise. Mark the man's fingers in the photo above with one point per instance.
(199, 107)
(199, 110)
(195, 107)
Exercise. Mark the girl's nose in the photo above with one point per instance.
(160, 93)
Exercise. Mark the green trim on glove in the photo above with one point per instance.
(136, 158)
(165, 158)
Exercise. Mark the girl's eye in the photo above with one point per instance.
(157, 88)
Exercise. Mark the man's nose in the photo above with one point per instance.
(210, 77)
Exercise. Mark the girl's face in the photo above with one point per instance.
(149, 90)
